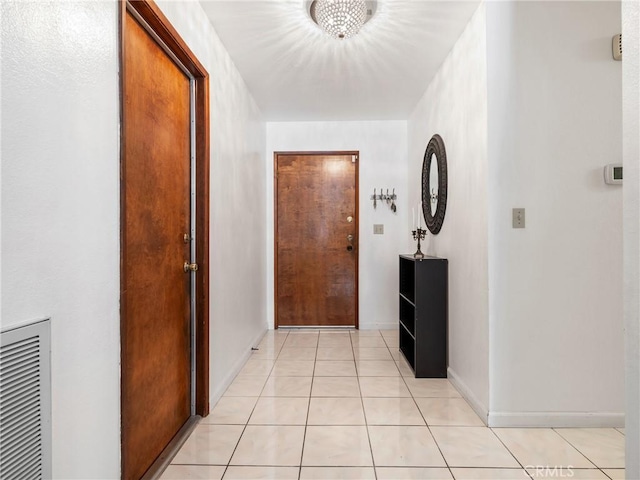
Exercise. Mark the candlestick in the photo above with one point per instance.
(419, 234)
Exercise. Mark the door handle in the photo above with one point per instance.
(350, 246)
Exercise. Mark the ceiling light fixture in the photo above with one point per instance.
(341, 18)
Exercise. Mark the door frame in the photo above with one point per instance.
(276, 155)
(160, 26)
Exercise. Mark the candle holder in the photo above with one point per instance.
(419, 234)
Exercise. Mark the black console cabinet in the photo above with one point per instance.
(423, 314)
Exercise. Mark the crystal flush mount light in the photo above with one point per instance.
(341, 18)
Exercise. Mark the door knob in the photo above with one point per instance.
(190, 267)
(350, 238)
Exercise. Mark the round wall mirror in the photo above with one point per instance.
(434, 184)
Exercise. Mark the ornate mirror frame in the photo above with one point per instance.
(434, 148)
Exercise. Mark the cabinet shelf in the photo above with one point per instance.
(423, 312)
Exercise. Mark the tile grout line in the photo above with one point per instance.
(510, 452)
(252, 410)
(423, 417)
(306, 423)
(364, 413)
(555, 429)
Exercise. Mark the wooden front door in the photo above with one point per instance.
(155, 327)
(316, 239)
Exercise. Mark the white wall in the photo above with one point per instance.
(556, 286)
(631, 155)
(60, 214)
(238, 224)
(455, 106)
(60, 210)
(383, 164)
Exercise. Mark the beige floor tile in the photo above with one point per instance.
(269, 445)
(262, 473)
(366, 341)
(297, 353)
(335, 411)
(196, 472)
(615, 473)
(280, 411)
(377, 368)
(337, 445)
(336, 342)
(403, 446)
(231, 411)
(403, 366)
(270, 347)
(266, 353)
(365, 333)
(334, 334)
(448, 411)
(337, 473)
(392, 411)
(335, 353)
(388, 331)
(293, 368)
(287, 387)
(576, 474)
(341, 368)
(335, 387)
(431, 387)
(209, 445)
(395, 353)
(541, 446)
(472, 447)
(489, 474)
(621, 430)
(383, 387)
(301, 340)
(372, 354)
(392, 341)
(603, 446)
(246, 386)
(272, 341)
(257, 366)
(413, 473)
(282, 333)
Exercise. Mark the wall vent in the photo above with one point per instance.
(25, 401)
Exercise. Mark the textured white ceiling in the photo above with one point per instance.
(298, 73)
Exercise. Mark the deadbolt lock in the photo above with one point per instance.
(190, 267)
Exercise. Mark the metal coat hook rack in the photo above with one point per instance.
(388, 198)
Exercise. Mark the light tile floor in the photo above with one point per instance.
(345, 405)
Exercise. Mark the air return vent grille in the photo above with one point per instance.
(25, 402)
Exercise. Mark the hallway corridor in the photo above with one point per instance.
(344, 405)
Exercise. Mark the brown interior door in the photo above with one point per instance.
(155, 310)
(316, 239)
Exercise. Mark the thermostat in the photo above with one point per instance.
(613, 174)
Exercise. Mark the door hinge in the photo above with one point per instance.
(190, 267)
(354, 158)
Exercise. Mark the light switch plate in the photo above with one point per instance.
(518, 218)
(378, 229)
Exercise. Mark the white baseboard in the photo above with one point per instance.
(216, 394)
(556, 419)
(481, 410)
